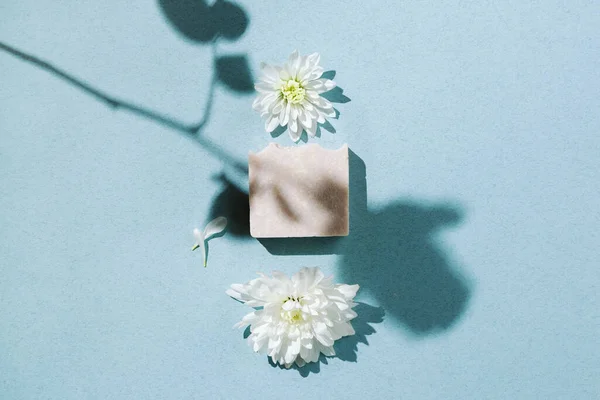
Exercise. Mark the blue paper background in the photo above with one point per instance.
(478, 124)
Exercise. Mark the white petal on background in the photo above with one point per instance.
(300, 318)
(293, 63)
(284, 74)
(320, 85)
(264, 87)
(198, 235)
(203, 251)
(268, 99)
(328, 83)
(321, 118)
(215, 227)
(272, 123)
(305, 69)
(312, 95)
(312, 129)
(322, 103)
(293, 112)
(286, 115)
(271, 74)
(316, 73)
(257, 101)
(305, 118)
(294, 125)
(311, 132)
(329, 113)
(314, 59)
(306, 278)
(349, 291)
(278, 107)
(294, 130)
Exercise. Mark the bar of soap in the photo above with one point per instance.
(298, 191)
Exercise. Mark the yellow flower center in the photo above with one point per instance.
(293, 92)
(292, 316)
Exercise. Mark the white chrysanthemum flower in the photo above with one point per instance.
(291, 95)
(298, 318)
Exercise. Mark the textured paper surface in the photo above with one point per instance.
(487, 108)
(298, 192)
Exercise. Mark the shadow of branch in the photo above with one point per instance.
(193, 131)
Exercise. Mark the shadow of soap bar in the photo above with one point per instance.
(298, 192)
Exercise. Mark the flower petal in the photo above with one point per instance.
(313, 59)
(327, 351)
(294, 112)
(269, 98)
(294, 130)
(321, 117)
(264, 87)
(312, 129)
(316, 73)
(286, 115)
(271, 123)
(307, 278)
(348, 291)
(270, 73)
(284, 75)
(215, 227)
(256, 104)
(320, 85)
(278, 107)
(293, 63)
(308, 123)
(203, 251)
(322, 103)
(198, 235)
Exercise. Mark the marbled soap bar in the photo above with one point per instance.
(299, 192)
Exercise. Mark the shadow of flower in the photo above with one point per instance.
(395, 256)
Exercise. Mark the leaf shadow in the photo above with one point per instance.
(234, 72)
(199, 22)
(195, 21)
